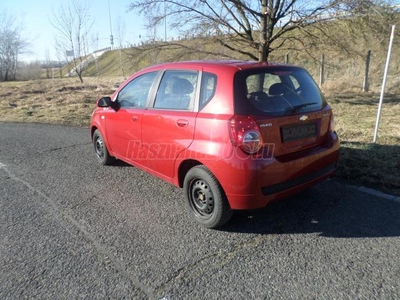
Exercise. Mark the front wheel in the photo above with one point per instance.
(205, 197)
(101, 150)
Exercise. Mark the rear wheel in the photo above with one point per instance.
(205, 197)
(101, 150)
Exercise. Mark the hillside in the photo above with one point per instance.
(345, 51)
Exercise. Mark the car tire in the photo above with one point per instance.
(205, 198)
(100, 148)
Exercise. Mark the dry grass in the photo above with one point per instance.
(57, 101)
(68, 102)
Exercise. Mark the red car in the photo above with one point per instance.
(233, 134)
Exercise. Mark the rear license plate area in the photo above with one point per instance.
(298, 132)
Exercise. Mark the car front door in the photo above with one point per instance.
(168, 127)
(124, 124)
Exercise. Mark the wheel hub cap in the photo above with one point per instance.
(202, 198)
(99, 147)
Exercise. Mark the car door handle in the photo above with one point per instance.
(134, 118)
(182, 123)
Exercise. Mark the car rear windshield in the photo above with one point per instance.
(276, 91)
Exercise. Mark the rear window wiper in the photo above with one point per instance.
(297, 108)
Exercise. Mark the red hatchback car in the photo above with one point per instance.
(233, 134)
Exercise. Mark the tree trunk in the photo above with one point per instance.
(263, 49)
(80, 76)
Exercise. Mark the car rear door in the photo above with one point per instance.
(168, 127)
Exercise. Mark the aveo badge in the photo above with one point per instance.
(303, 118)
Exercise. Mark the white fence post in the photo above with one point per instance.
(384, 83)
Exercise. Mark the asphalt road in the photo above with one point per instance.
(70, 228)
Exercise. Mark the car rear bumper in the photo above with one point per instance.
(290, 184)
(277, 179)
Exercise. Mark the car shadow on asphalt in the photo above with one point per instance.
(330, 209)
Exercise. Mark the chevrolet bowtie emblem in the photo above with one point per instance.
(303, 118)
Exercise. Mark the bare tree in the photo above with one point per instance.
(73, 23)
(252, 29)
(12, 45)
(121, 31)
(245, 28)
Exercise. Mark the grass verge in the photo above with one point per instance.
(374, 165)
(57, 101)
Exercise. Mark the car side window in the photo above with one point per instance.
(135, 93)
(177, 90)
(208, 86)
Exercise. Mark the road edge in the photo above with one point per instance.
(368, 190)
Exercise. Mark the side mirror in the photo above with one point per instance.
(104, 102)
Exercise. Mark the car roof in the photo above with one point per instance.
(199, 64)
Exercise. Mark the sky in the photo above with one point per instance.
(35, 15)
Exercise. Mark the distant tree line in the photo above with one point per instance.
(12, 45)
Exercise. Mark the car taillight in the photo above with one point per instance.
(332, 124)
(244, 134)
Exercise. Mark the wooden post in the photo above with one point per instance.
(59, 68)
(367, 63)
(322, 71)
(287, 58)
